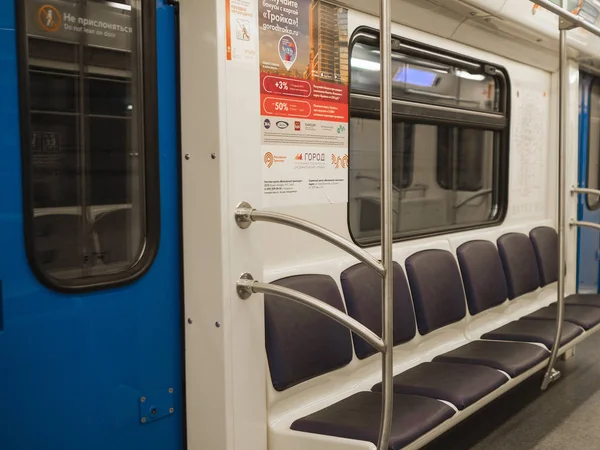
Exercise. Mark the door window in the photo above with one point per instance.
(593, 181)
(89, 146)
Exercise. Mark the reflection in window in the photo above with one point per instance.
(424, 81)
(447, 174)
(461, 154)
(86, 125)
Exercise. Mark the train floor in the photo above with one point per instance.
(566, 416)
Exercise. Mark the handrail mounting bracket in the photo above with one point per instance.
(566, 25)
(244, 286)
(243, 213)
(550, 378)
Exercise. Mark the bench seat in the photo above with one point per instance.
(531, 330)
(514, 358)
(587, 317)
(358, 417)
(460, 384)
(592, 300)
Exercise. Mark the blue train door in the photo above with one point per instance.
(90, 326)
(589, 176)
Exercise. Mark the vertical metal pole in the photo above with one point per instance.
(385, 48)
(551, 373)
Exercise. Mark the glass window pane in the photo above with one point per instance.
(449, 171)
(425, 205)
(423, 81)
(85, 84)
(593, 181)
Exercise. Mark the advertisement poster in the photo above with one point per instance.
(588, 10)
(303, 57)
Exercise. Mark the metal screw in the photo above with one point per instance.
(187, 156)
(170, 390)
(153, 411)
(190, 320)
(213, 155)
(171, 410)
(218, 324)
(143, 420)
(143, 399)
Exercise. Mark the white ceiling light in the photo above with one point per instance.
(366, 65)
(470, 76)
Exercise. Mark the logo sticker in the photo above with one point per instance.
(338, 161)
(267, 124)
(269, 159)
(297, 126)
(282, 125)
(288, 51)
(49, 18)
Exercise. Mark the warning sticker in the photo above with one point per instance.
(241, 35)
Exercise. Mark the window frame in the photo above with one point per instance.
(150, 161)
(415, 112)
(595, 82)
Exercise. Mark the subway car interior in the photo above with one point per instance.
(300, 224)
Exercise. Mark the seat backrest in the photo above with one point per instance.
(483, 276)
(436, 289)
(545, 246)
(302, 343)
(362, 291)
(519, 264)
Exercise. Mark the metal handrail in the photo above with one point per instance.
(472, 197)
(552, 374)
(578, 190)
(387, 316)
(361, 176)
(582, 224)
(245, 215)
(246, 286)
(376, 200)
(576, 21)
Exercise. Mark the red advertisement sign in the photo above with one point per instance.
(303, 60)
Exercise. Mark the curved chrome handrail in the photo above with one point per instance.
(583, 224)
(247, 286)
(588, 191)
(472, 197)
(245, 215)
(376, 180)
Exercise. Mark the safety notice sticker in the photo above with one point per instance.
(303, 57)
(240, 33)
